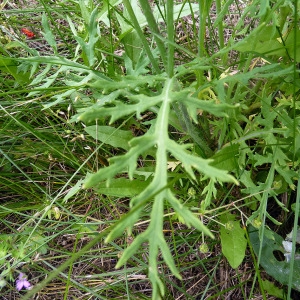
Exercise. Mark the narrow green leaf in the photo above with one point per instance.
(73, 190)
(122, 187)
(189, 218)
(109, 135)
(132, 249)
(165, 251)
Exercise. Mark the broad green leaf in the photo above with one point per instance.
(266, 40)
(278, 269)
(226, 158)
(133, 47)
(122, 187)
(109, 135)
(233, 240)
(290, 44)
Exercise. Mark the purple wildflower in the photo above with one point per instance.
(22, 282)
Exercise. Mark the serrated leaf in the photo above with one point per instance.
(117, 138)
(190, 161)
(123, 163)
(194, 104)
(48, 35)
(233, 241)
(88, 48)
(120, 109)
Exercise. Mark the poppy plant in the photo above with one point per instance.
(28, 33)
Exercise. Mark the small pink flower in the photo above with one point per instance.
(22, 282)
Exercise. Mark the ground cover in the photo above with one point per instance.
(149, 149)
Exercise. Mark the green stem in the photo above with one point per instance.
(220, 25)
(256, 266)
(141, 36)
(152, 23)
(202, 27)
(170, 31)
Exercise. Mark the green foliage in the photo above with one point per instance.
(123, 187)
(110, 135)
(272, 289)
(233, 240)
(181, 124)
(157, 137)
(10, 66)
(19, 247)
(265, 249)
(226, 158)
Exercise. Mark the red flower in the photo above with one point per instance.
(28, 33)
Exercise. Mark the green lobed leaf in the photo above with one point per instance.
(190, 161)
(119, 164)
(193, 104)
(119, 110)
(48, 35)
(88, 48)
